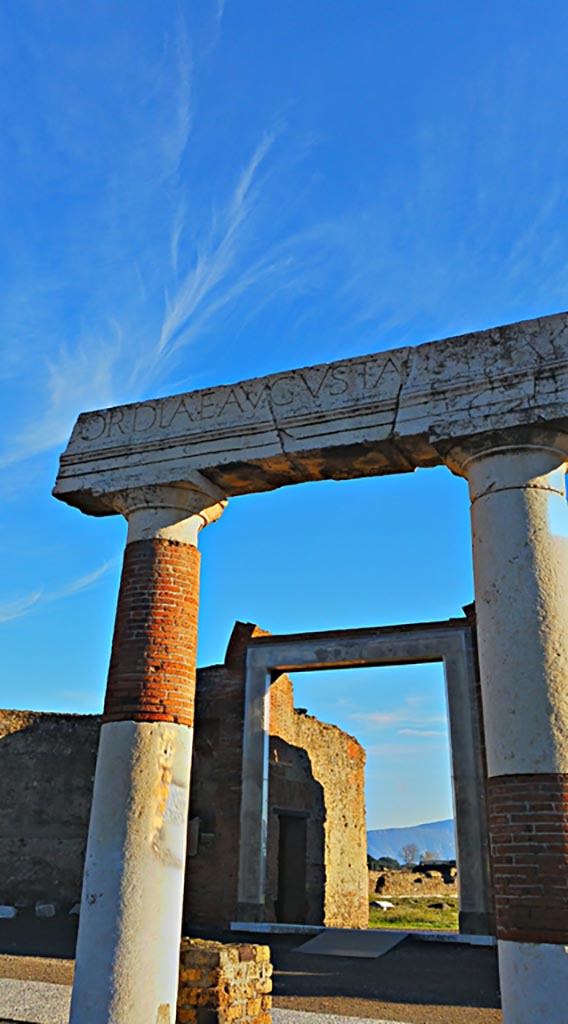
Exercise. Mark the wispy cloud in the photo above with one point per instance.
(403, 750)
(421, 732)
(220, 271)
(81, 583)
(220, 6)
(177, 138)
(75, 379)
(399, 716)
(21, 606)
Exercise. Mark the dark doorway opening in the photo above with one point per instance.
(292, 851)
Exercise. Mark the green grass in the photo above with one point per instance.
(415, 913)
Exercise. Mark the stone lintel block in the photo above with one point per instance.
(388, 412)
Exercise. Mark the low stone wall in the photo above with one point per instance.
(412, 883)
(224, 983)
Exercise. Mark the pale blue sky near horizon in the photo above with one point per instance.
(197, 193)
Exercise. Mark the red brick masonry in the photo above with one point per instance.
(152, 667)
(528, 820)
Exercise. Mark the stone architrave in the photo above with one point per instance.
(385, 413)
(481, 403)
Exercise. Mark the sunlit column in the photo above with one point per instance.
(131, 909)
(520, 551)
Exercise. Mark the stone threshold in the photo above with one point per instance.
(276, 928)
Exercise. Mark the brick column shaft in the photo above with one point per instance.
(152, 668)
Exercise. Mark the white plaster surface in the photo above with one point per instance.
(130, 923)
(520, 550)
(394, 410)
(534, 982)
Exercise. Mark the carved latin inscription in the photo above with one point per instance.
(378, 378)
(391, 412)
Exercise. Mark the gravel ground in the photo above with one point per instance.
(415, 983)
(53, 1008)
(39, 1002)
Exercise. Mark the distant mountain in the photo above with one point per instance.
(437, 836)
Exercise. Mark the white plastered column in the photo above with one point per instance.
(520, 552)
(127, 961)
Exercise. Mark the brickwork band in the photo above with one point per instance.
(529, 837)
(152, 668)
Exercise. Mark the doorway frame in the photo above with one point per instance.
(453, 644)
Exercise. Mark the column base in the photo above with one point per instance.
(476, 922)
(251, 912)
(534, 982)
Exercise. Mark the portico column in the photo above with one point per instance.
(520, 552)
(130, 925)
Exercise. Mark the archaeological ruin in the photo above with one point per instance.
(316, 838)
(492, 407)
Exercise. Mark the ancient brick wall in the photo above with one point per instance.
(215, 795)
(412, 883)
(47, 766)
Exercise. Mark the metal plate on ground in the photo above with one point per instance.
(352, 942)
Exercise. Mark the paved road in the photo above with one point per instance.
(415, 983)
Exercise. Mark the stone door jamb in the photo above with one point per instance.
(267, 657)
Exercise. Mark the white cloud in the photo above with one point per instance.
(399, 716)
(82, 583)
(221, 271)
(21, 606)
(421, 732)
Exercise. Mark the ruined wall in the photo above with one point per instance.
(215, 795)
(383, 884)
(315, 769)
(47, 765)
(316, 765)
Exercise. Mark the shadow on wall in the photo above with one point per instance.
(296, 876)
(47, 766)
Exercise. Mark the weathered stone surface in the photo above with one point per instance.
(221, 983)
(403, 883)
(47, 762)
(375, 414)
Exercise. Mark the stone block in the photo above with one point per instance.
(224, 984)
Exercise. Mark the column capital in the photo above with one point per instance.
(509, 458)
(170, 511)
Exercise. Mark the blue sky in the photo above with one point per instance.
(199, 193)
